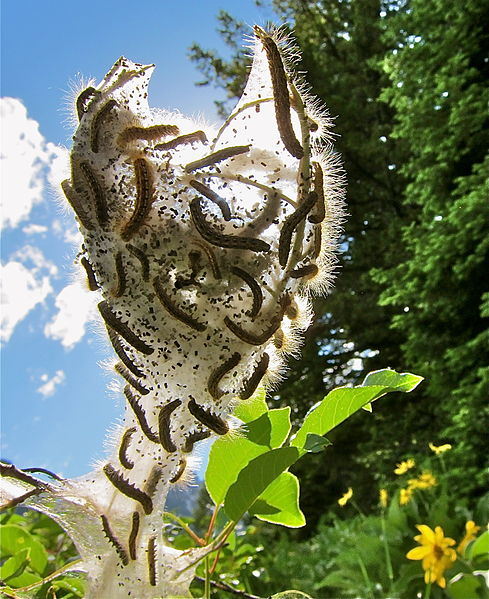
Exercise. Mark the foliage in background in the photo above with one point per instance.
(408, 83)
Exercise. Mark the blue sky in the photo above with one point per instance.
(56, 401)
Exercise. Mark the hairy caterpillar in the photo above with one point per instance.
(253, 382)
(133, 535)
(91, 279)
(122, 328)
(290, 224)
(126, 439)
(216, 424)
(97, 122)
(219, 372)
(174, 310)
(144, 198)
(128, 489)
(180, 470)
(146, 133)
(140, 415)
(121, 552)
(96, 193)
(164, 425)
(216, 157)
(121, 353)
(143, 259)
(152, 560)
(121, 276)
(77, 203)
(193, 438)
(135, 384)
(213, 197)
(183, 139)
(255, 290)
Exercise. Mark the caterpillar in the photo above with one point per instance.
(174, 310)
(193, 438)
(97, 122)
(121, 552)
(309, 270)
(216, 424)
(278, 339)
(216, 157)
(78, 205)
(253, 338)
(213, 197)
(124, 372)
(280, 94)
(91, 280)
(319, 189)
(183, 139)
(133, 535)
(181, 469)
(128, 489)
(253, 382)
(152, 561)
(121, 353)
(219, 372)
(143, 259)
(318, 240)
(126, 439)
(164, 425)
(216, 271)
(144, 198)
(140, 415)
(121, 276)
(96, 193)
(124, 331)
(219, 239)
(147, 133)
(82, 99)
(255, 290)
(290, 224)
(153, 480)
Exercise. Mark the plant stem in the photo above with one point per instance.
(427, 591)
(186, 528)
(368, 582)
(207, 581)
(390, 572)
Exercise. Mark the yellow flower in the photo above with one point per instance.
(383, 497)
(346, 497)
(403, 467)
(405, 496)
(471, 531)
(424, 481)
(436, 553)
(439, 449)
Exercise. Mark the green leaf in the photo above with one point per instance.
(465, 586)
(252, 408)
(279, 503)
(316, 443)
(255, 478)
(14, 538)
(291, 595)
(14, 566)
(270, 429)
(226, 458)
(76, 586)
(342, 402)
(23, 580)
(390, 378)
(479, 547)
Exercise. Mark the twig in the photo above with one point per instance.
(225, 587)
(44, 471)
(11, 471)
(13, 502)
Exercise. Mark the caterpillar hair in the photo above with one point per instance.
(97, 122)
(78, 204)
(193, 438)
(82, 101)
(253, 338)
(318, 217)
(309, 270)
(181, 469)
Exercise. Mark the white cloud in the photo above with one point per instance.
(49, 385)
(33, 256)
(20, 292)
(76, 307)
(34, 229)
(24, 158)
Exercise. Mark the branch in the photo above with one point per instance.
(225, 587)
